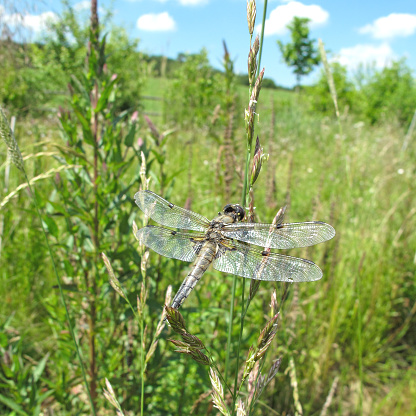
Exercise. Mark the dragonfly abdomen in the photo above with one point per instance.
(205, 257)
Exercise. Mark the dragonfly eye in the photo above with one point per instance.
(240, 212)
(228, 209)
(235, 210)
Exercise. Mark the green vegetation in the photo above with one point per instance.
(345, 342)
(300, 53)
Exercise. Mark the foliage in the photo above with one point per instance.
(36, 75)
(390, 94)
(22, 386)
(300, 53)
(192, 96)
(347, 95)
(91, 198)
(242, 79)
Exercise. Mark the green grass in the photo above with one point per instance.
(361, 310)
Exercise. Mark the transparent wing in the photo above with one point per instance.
(173, 244)
(165, 213)
(283, 236)
(241, 259)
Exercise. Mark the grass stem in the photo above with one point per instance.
(230, 327)
(263, 23)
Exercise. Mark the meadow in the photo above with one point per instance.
(346, 342)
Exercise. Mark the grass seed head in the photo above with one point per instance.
(12, 147)
(114, 282)
(196, 355)
(143, 263)
(329, 76)
(251, 15)
(252, 383)
(273, 370)
(258, 159)
(273, 303)
(266, 337)
(241, 410)
(252, 60)
(254, 287)
(249, 114)
(175, 320)
(135, 229)
(180, 344)
(151, 351)
(218, 392)
(192, 340)
(111, 397)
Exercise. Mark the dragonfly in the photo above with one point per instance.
(228, 243)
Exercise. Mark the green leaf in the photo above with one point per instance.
(85, 126)
(158, 156)
(51, 226)
(38, 370)
(12, 405)
(103, 100)
(129, 139)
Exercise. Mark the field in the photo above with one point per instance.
(346, 342)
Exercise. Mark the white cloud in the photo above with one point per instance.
(152, 22)
(282, 15)
(82, 5)
(37, 23)
(393, 25)
(380, 55)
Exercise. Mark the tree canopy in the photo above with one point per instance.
(301, 53)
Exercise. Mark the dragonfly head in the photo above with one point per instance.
(235, 211)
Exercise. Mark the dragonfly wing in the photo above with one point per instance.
(173, 244)
(165, 213)
(282, 236)
(241, 259)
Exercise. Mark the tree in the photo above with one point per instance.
(390, 93)
(301, 53)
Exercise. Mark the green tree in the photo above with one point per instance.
(301, 53)
(390, 94)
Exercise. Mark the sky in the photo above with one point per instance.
(371, 32)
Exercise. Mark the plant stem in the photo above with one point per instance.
(263, 22)
(239, 345)
(94, 277)
(142, 364)
(230, 326)
(243, 204)
(71, 330)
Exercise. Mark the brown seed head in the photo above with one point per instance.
(192, 341)
(249, 115)
(175, 320)
(252, 60)
(196, 355)
(258, 159)
(266, 337)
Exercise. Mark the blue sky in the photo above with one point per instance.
(368, 31)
